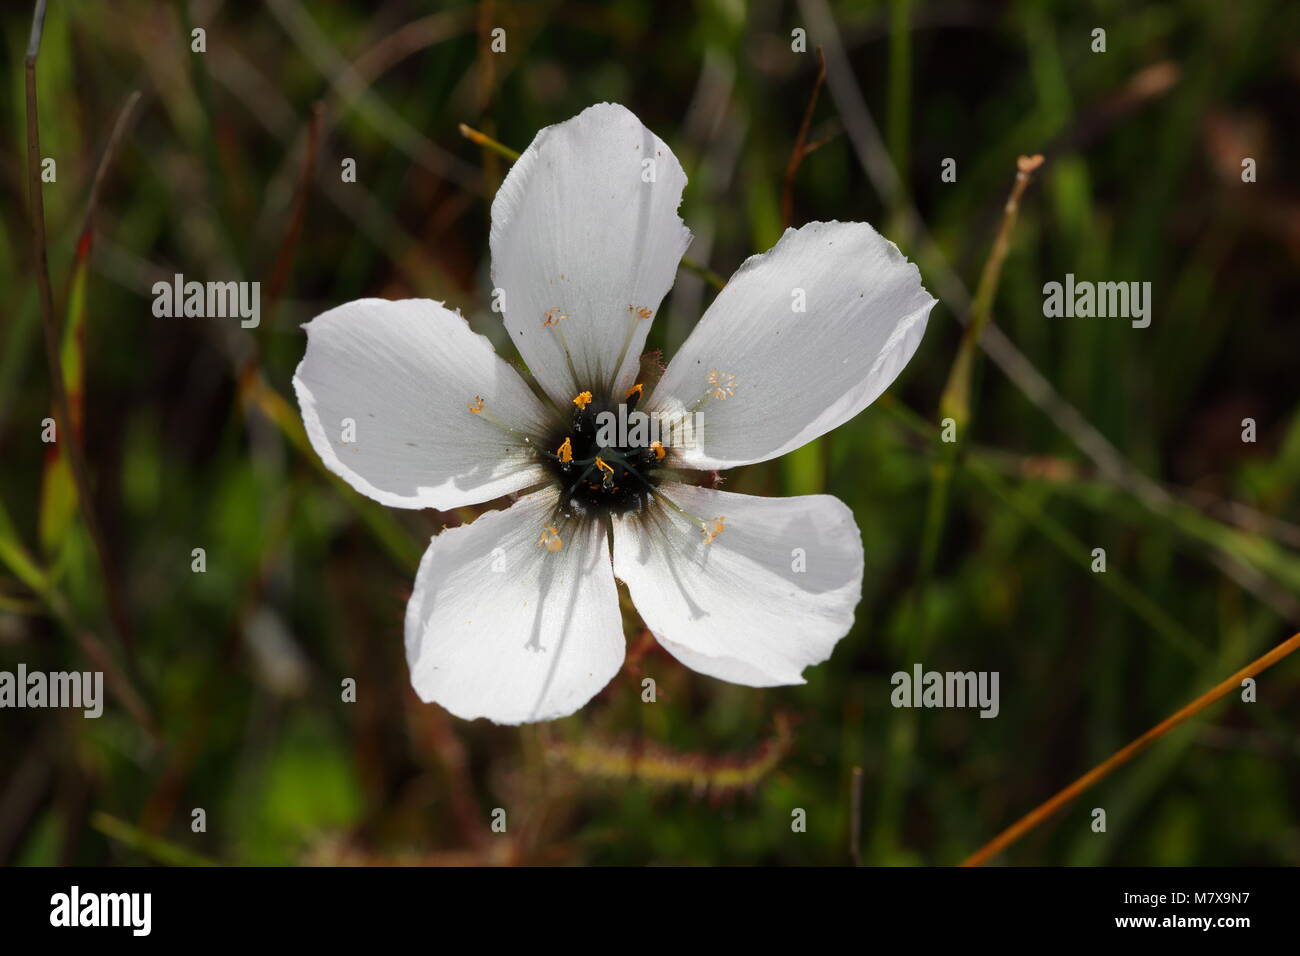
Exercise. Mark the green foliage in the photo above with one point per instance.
(193, 440)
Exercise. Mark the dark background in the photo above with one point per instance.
(228, 698)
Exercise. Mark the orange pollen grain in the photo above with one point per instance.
(550, 539)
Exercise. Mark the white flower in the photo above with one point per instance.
(515, 617)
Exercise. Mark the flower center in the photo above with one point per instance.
(606, 459)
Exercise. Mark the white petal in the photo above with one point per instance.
(404, 373)
(501, 627)
(798, 374)
(739, 608)
(579, 235)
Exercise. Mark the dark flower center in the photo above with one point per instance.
(605, 462)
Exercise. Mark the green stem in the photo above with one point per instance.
(954, 404)
(153, 847)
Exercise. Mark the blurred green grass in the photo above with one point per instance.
(306, 581)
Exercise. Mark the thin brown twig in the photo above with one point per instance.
(117, 606)
(119, 684)
(81, 260)
(955, 405)
(955, 401)
(267, 106)
(819, 143)
(1098, 773)
(308, 37)
(801, 147)
(123, 122)
(407, 40)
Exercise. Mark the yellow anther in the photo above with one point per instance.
(550, 539)
(711, 529)
(641, 312)
(553, 317)
(723, 384)
(476, 406)
(658, 448)
(565, 452)
(582, 399)
(636, 390)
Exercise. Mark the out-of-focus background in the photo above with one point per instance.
(1084, 433)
